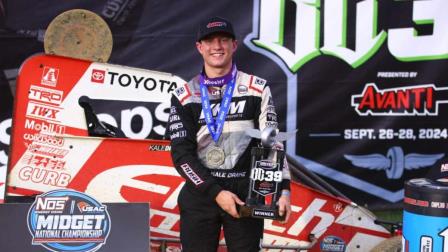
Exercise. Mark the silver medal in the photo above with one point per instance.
(215, 157)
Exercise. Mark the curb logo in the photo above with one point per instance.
(321, 27)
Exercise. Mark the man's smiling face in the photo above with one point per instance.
(217, 51)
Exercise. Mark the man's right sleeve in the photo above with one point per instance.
(181, 131)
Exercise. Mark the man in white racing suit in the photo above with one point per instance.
(210, 149)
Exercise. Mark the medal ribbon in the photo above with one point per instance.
(215, 127)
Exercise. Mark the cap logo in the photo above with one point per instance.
(215, 24)
(444, 167)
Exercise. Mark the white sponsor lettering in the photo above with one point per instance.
(404, 43)
(234, 108)
(160, 148)
(45, 127)
(263, 213)
(279, 240)
(178, 134)
(174, 118)
(214, 82)
(162, 115)
(49, 163)
(396, 74)
(312, 211)
(407, 45)
(444, 167)
(42, 176)
(128, 115)
(166, 226)
(126, 120)
(70, 222)
(127, 175)
(43, 138)
(176, 126)
(51, 203)
(47, 150)
(191, 174)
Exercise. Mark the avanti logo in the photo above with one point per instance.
(402, 101)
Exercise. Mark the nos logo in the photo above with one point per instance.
(320, 28)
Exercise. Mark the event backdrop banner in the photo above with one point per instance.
(363, 81)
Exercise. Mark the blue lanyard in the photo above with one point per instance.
(215, 127)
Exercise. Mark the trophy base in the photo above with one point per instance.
(262, 212)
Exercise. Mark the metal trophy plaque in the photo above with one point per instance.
(266, 177)
(80, 34)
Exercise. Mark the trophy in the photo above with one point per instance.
(80, 34)
(266, 175)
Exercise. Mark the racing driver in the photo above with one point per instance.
(210, 149)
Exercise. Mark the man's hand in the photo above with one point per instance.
(284, 205)
(226, 200)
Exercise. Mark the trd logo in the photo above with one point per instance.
(45, 95)
(98, 76)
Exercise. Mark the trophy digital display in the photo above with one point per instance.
(266, 177)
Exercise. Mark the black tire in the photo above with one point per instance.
(392, 244)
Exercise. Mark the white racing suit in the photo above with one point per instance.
(251, 107)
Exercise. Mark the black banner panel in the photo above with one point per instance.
(364, 82)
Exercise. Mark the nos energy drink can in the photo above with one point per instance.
(425, 216)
